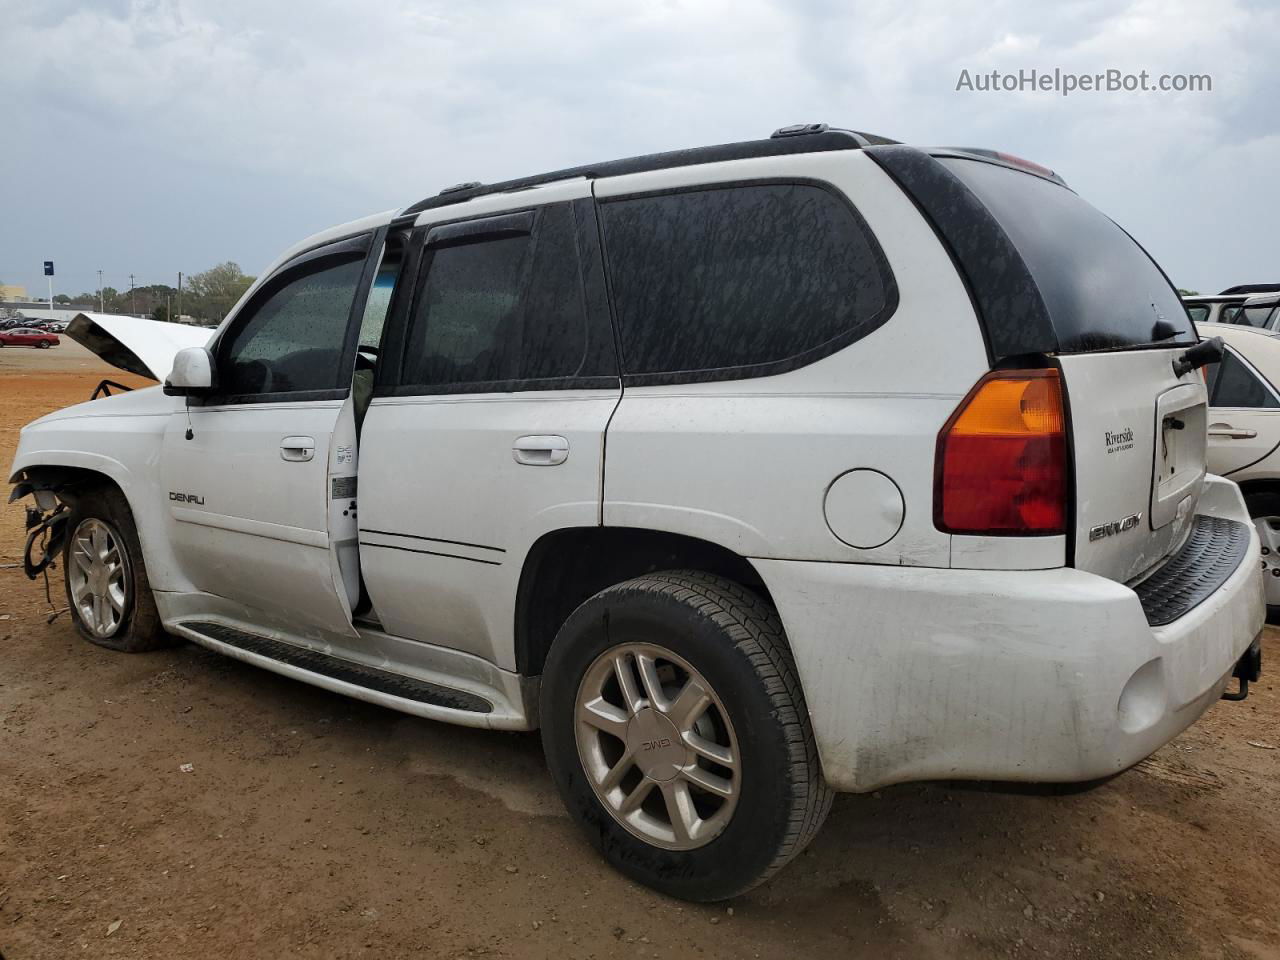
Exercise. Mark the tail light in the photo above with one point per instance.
(1002, 458)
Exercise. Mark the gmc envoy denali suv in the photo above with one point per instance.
(747, 473)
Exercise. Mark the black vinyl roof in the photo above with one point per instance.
(800, 138)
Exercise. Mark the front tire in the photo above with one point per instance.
(43, 344)
(677, 733)
(105, 576)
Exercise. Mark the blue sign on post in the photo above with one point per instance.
(48, 268)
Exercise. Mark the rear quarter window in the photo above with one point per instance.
(740, 281)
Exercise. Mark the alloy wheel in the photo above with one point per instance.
(98, 577)
(1269, 534)
(657, 746)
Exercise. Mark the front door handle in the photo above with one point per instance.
(540, 451)
(1230, 433)
(299, 449)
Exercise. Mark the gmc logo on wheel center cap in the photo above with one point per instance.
(655, 744)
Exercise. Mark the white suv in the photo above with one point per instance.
(748, 473)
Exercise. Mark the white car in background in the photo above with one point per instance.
(1244, 433)
(1219, 308)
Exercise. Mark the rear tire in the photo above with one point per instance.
(730, 795)
(105, 576)
(43, 344)
(1264, 508)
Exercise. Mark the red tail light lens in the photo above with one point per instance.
(1002, 458)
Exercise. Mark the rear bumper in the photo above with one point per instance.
(1040, 676)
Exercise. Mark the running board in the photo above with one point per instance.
(394, 690)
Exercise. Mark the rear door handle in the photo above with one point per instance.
(298, 449)
(540, 451)
(1230, 432)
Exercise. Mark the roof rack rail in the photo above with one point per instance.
(798, 138)
(1253, 288)
(457, 187)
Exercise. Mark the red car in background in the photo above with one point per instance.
(28, 337)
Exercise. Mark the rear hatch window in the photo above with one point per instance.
(1100, 288)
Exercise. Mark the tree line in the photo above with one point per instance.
(207, 296)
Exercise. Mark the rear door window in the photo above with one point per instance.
(1256, 315)
(1101, 289)
(740, 281)
(1199, 312)
(1232, 383)
(502, 312)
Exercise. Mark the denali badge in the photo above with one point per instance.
(1114, 527)
(186, 498)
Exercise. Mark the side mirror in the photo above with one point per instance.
(192, 373)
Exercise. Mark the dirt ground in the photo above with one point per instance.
(315, 826)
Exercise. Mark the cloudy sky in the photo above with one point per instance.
(154, 136)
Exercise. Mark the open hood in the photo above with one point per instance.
(144, 347)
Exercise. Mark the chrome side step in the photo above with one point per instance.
(362, 681)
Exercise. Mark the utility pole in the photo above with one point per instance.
(168, 307)
(133, 306)
(179, 294)
(100, 308)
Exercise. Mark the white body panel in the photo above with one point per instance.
(746, 463)
(1121, 407)
(152, 342)
(248, 518)
(914, 674)
(455, 514)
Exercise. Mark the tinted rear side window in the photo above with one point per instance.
(1102, 291)
(1254, 316)
(740, 281)
(1232, 384)
(501, 312)
(1199, 312)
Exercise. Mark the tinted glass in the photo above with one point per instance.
(293, 341)
(1237, 386)
(1199, 312)
(501, 310)
(734, 277)
(1229, 314)
(379, 300)
(554, 341)
(1254, 316)
(1101, 289)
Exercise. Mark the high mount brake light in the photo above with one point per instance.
(1001, 466)
(1031, 165)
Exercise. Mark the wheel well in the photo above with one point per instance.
(566, 567)
(64, 481)
(1250, 488)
